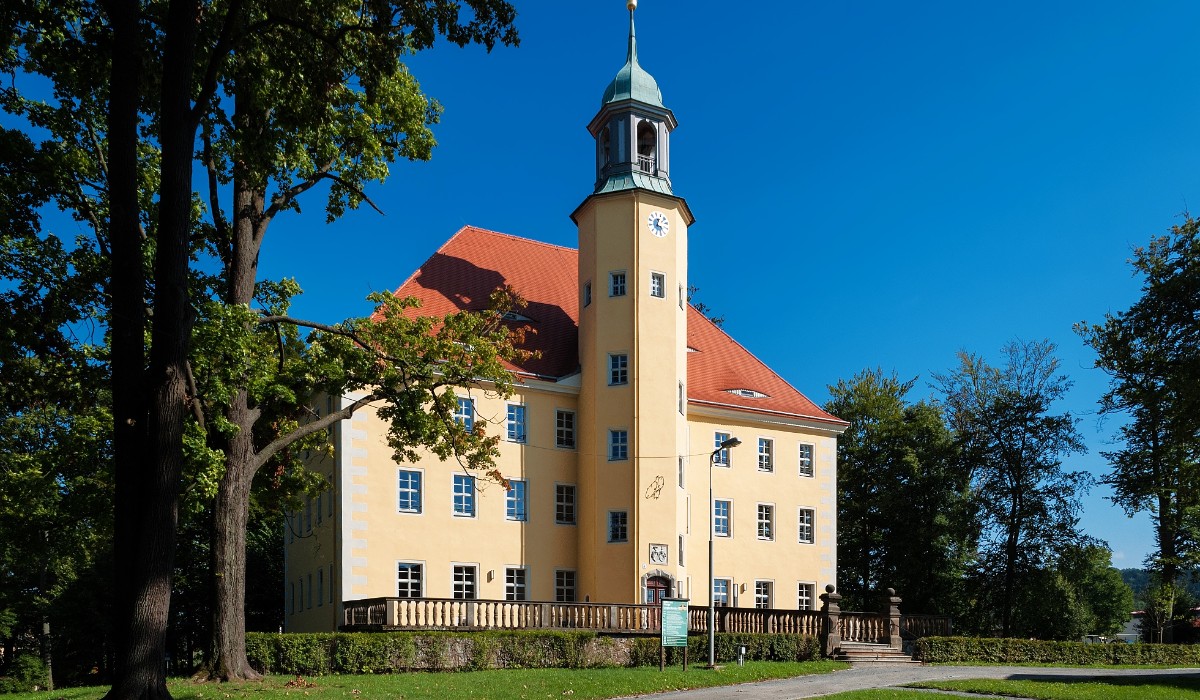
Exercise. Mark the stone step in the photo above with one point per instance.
(861, 652)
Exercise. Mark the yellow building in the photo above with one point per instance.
(610, 440)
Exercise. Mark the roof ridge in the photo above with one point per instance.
(518, 238)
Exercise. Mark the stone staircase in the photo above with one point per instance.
(863, 652)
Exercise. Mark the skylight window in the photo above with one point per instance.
(514, 316)
(747, 393)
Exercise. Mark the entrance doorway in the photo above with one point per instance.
(657, 588)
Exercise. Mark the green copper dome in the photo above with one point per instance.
(632, 81)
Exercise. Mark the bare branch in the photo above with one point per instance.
(283, 199)
(214, 201)
(197, 406)
(356, 190)
(208, 85)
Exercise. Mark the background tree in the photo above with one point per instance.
(1151, 353)
(904, 515)
(1027, 503)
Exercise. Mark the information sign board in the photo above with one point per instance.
(674, 623)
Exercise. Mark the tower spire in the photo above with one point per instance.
(631, 57)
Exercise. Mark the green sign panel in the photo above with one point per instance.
(674, 623)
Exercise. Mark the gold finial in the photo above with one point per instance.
(632, 5)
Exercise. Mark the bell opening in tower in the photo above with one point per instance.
(647, 142)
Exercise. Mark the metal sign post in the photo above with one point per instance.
(674, 615)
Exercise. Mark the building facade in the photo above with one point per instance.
(610, 440)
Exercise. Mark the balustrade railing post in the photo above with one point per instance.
(831, 638)
(390, 617)
(545, 614)
(891, 612)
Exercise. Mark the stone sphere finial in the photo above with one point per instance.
(632, 5)
(829, 588)
(891, 592)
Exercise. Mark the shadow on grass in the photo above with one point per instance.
(1178, 681)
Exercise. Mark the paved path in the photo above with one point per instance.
(864, 676)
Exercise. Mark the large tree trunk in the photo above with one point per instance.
(227, 658)
(148, 488)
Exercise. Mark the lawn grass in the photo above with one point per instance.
(514, 684)
(1143, 688)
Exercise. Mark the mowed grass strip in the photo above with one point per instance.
(1141, 688)
(508, 684)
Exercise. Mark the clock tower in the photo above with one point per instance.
(633, 351)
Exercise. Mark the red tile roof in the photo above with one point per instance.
(464, 272)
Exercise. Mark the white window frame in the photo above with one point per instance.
(521, 503)
(728, 597)
(618, 283)
(464, 412)
(624, 527)
(420, 579)
(618, 445)
(723, 456)
(514, 590)
(681, 297)
(562, 433)
(517, 423)
(810, 526)
(469, 497)
(760, 585)
(682, 549)
(560, 502)
(805, 464)
(681, 400)
(618, 368)
(564, 592)
(658, 282)
(681, 469)
(728, 517)
(758, 514)
(419, 491)
(464, 578)
(811, 588)
(766, 454)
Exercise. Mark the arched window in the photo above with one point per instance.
(604, 157)
(647, 137)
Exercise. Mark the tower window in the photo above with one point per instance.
(658, 285)
(647, 142)
(616, 284)
(605, 145)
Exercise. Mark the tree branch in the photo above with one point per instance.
(272, 448)
(208, 85)
(283, 199)
(214, 201)
(196, 405)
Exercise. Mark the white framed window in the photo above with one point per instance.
(410, 579)
(516, 422)
(766, 521)
(464, 413)
(564, 586)
(464, 578)
(681, 297)
(464, 496)
(682, 561)
(564, 504)
(618, 526)
(762, 594)
(515, 587)
(516, 502)
(587, 293)
(616, 284)
(720, 592)
(766, 455)
(658, 285)
(805, 452)
(618, 369)
(681, 469)
(805, 529)
(722, 459)
(409, 491)
(680, 400)
(564, 429)
(805, 596)
(618, 445)
(723, 518)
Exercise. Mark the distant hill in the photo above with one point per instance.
(1139, 581)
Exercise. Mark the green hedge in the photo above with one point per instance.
(983, 650)
(385, 652)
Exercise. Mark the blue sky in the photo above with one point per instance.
(875, 183)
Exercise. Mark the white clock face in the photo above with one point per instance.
(658, 554)
(659, 224)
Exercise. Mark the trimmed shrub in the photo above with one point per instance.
(985, 650)
(389, 652)
(26, 673)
